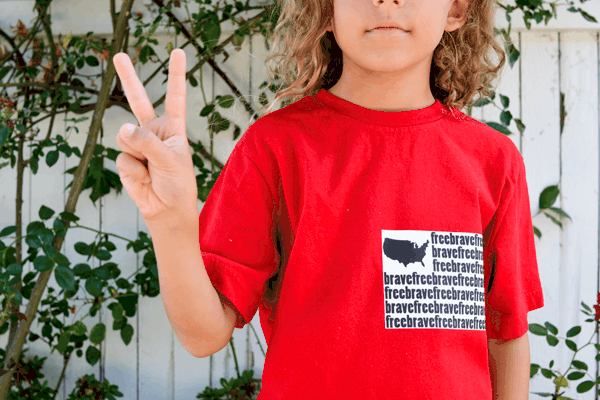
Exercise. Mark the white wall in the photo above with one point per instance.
(559, 58)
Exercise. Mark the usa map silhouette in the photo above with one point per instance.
(404, 251)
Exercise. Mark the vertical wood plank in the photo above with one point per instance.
(579, 198)
(508, 85)
(541, 152)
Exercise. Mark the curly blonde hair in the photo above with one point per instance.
(311, 60)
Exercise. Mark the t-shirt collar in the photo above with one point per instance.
(374, 117)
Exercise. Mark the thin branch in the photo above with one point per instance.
(210, 61)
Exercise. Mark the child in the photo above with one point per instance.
(383, 235)
(367, 155)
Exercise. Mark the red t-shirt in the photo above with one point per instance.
(382, 249)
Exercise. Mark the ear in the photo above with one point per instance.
(457, 15)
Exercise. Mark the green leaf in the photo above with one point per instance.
(537, 329)
(35, 227)
(533, 369)
(94, 286)
(154, 25)
(556, 221)
(482, 102)
(42, 263)
(47, 236)
(207, 110)
(587, 16)
(8, 230)
(3, 72)
(551, 328)
(574, 331)
(92, 61)
(45, 212)
(193, 81)
(579, 365)
(102, 272)
(14, 269)
(33, 241)
(33, 164)
(552, 340)
(4, 134)
(505, 101)
(585, 386)
(560, 212)
(513, 54)
(117, 311)
(571, 344)
(547, 373)
(520, 125)
(68, 216)
(145, 53)
(548, 196)
(92, 355)
(560, 381)
(226, 101)
(51, 157)
(575, 375)
(103, 255)
(83, 248)
(63, 342)
(79, 328)
(59, 227)
(128, 301)
(97, 334)
(500, 128)
(210, 30)
(236, 132)
(47, 331)
(81, 269)
(505, 117)
(118, 325)
(65, 277)
(127, 333)
(237, 41)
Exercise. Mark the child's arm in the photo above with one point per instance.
(199, 319)
(509, 368)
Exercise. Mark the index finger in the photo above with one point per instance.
(134, 90)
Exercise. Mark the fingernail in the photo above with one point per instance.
(129, 129)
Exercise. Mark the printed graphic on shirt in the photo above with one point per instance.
(433, 280)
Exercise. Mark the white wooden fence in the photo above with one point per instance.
(561, 58)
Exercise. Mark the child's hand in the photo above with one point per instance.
(167, 188)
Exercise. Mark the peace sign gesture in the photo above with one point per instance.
(166, 189)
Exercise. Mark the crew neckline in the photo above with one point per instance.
(375, 117)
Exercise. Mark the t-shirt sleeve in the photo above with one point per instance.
(514, 286)
(238, 235)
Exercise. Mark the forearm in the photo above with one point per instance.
(509, 363)
(191, 302)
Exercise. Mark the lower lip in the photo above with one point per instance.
(388, 31)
